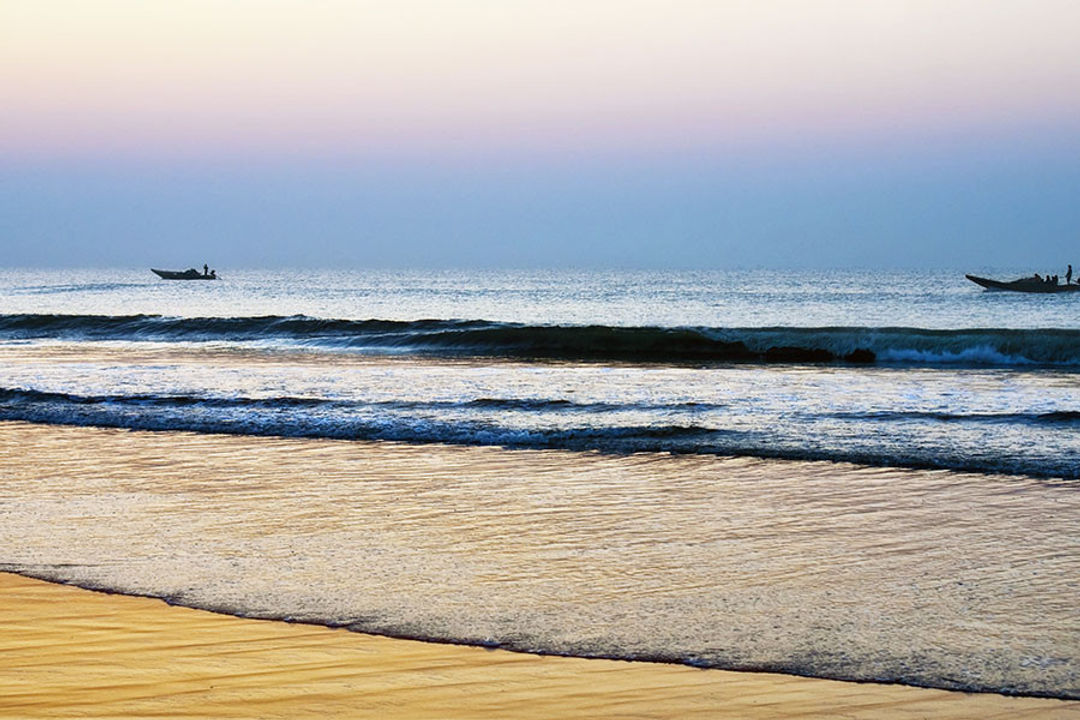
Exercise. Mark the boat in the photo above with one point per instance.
(189, 274)
(1024, 285)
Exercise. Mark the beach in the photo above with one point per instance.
(66, 652)
(611, 467)
(72, 652)
(539, 360)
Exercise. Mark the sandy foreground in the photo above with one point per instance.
(68, 652)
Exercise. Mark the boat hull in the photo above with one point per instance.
(1023, 285)
(181, 275)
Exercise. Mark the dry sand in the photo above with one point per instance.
(67, 652)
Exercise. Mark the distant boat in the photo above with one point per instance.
(1024, 285)
(189, 274)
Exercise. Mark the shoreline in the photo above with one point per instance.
(67, 651)
(500, 648)
(144, 527)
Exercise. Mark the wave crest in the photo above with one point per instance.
(889, 345)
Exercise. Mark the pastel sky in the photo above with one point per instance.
(525, 133)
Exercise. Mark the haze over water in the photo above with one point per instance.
(642, 134)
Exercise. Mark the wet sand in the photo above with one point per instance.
(68, 652)
(133, 510)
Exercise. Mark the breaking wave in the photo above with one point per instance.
(883, 345)
(684, 428)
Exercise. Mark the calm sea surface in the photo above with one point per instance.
(930, 428)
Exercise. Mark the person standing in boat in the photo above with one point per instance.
(1068, 275)
(206, 270)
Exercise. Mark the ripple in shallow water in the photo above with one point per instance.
(931, 578)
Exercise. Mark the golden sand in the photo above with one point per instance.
(67, 652)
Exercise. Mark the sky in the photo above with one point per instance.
(520, 133)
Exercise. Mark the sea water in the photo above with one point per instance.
(861, 395)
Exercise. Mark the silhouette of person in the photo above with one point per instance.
(1068, 276)
(205, 269)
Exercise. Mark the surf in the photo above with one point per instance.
(905, 346)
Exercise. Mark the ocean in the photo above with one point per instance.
(856, 475)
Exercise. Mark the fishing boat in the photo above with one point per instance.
(1025, 285)
(189, 274)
